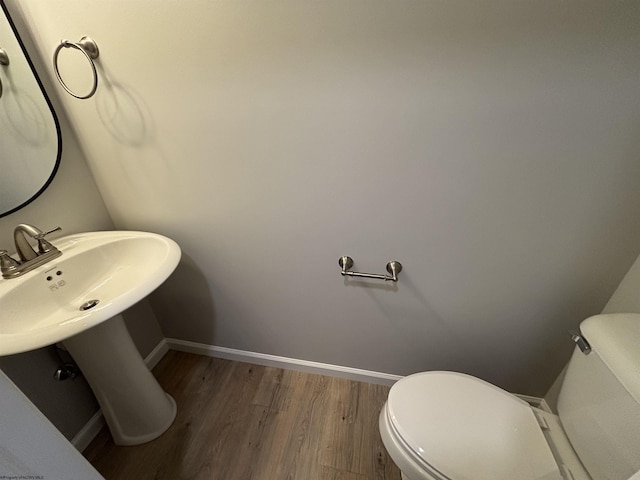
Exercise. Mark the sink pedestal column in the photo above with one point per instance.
(134, 405)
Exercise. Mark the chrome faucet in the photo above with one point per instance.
(24, 248)
(29, 257)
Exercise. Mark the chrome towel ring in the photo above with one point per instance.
(90, 50)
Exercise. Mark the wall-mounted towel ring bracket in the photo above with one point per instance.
(4, 60)
(90, 50)
(393, 267)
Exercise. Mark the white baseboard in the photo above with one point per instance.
(534, 401)
(90, 430)
(156, 354)
(87, 433)
(283, 362)
(545, 406)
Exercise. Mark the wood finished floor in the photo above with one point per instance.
(238, 421)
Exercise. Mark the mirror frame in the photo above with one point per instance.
(39, 192)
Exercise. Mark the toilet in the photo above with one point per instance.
(451, 426)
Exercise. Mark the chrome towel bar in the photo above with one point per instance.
(393, 267)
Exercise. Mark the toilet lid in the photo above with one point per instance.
(465, 428)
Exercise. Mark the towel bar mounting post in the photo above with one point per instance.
(4, 60)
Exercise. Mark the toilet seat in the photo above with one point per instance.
(452, 426)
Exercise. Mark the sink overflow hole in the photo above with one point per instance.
(89, 305)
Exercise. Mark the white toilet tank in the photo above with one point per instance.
(599, 403)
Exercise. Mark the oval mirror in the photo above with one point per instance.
(30, 145)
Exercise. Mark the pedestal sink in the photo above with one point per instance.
(77, 298)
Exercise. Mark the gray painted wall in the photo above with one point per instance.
(626, 298)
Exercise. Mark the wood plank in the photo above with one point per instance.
(329, 473)
(276, 387)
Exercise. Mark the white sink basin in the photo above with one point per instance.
(116, 268)
(98, 275)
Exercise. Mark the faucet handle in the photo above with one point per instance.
(40, 236)
(45, 246)
(7, 263)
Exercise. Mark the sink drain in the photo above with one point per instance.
(89, 305)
